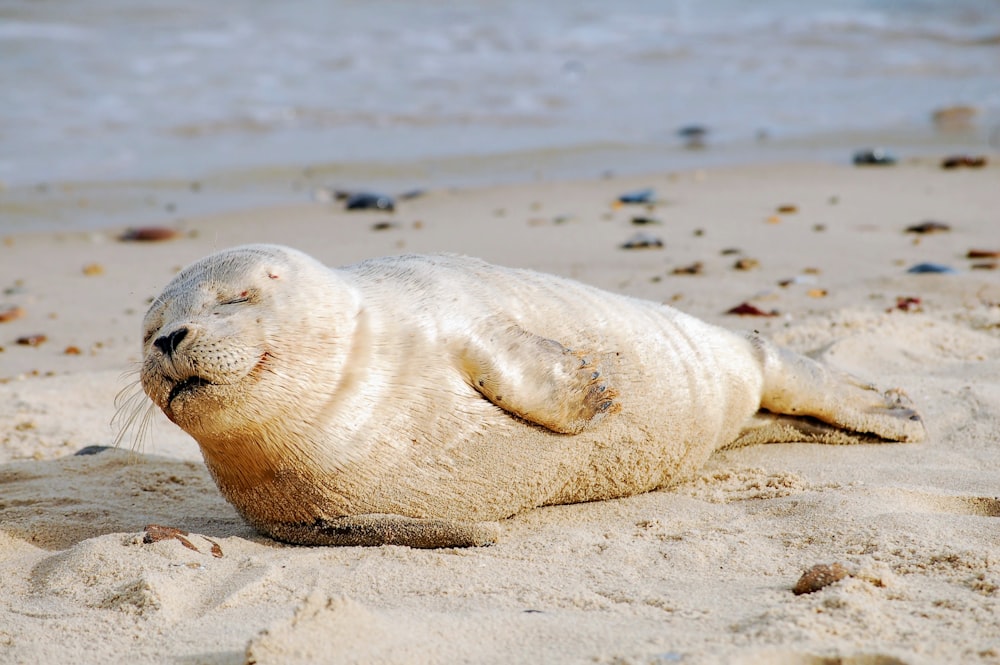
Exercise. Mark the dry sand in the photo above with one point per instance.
(699, 574)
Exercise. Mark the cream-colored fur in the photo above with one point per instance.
(409, 399)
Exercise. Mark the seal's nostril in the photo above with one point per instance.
(168, 343)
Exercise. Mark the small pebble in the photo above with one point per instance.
(693, 135)
(927, 227)
(369, 201)
(637, 196)
(983, 254)
(956, 161)
(874, 157)
(642, 240)
(746, 309)
(645, 221)
(148, 234)
(154, 533)
(384, 226)
(746, 264)
(92, 269)
(32, 340)
(72, 351)
(92, 450)
(819, 577)
(695, 268)
(10, 314)
(798, 279)
(817, 293)
(788, 209)
(927, 268)
(692, 131)
(907, 304)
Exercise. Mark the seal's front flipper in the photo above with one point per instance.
(539, 379)
(377, 529)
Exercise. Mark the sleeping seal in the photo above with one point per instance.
(416, 400)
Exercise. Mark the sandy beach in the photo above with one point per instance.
(700, 573)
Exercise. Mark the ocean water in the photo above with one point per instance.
(154, 90)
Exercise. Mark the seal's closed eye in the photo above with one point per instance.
(247, 295)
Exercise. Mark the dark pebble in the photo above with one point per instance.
(692, 131)
(693, 135)
(922, 268)
(695, 268)
(956, 161)
(907, 304)
(983, 254)
(32, 340)
(637, 196)
(645, 221)
(148, 234)
(746, 309)
(642, 241)
(874, 157)
(369, 201)
(928, 227)
(92, 450)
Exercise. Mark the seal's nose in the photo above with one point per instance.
(168, 343)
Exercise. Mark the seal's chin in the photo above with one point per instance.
(188, 385)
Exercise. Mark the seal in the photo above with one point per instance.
(418, 400)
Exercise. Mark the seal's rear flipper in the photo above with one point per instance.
(376, 529)
(795, 385)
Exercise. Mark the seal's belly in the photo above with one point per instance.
(685, 388)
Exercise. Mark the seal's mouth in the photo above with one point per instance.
(189, 384)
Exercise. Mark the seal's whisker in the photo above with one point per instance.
(133, 413)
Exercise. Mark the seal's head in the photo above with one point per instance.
(226, 346)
